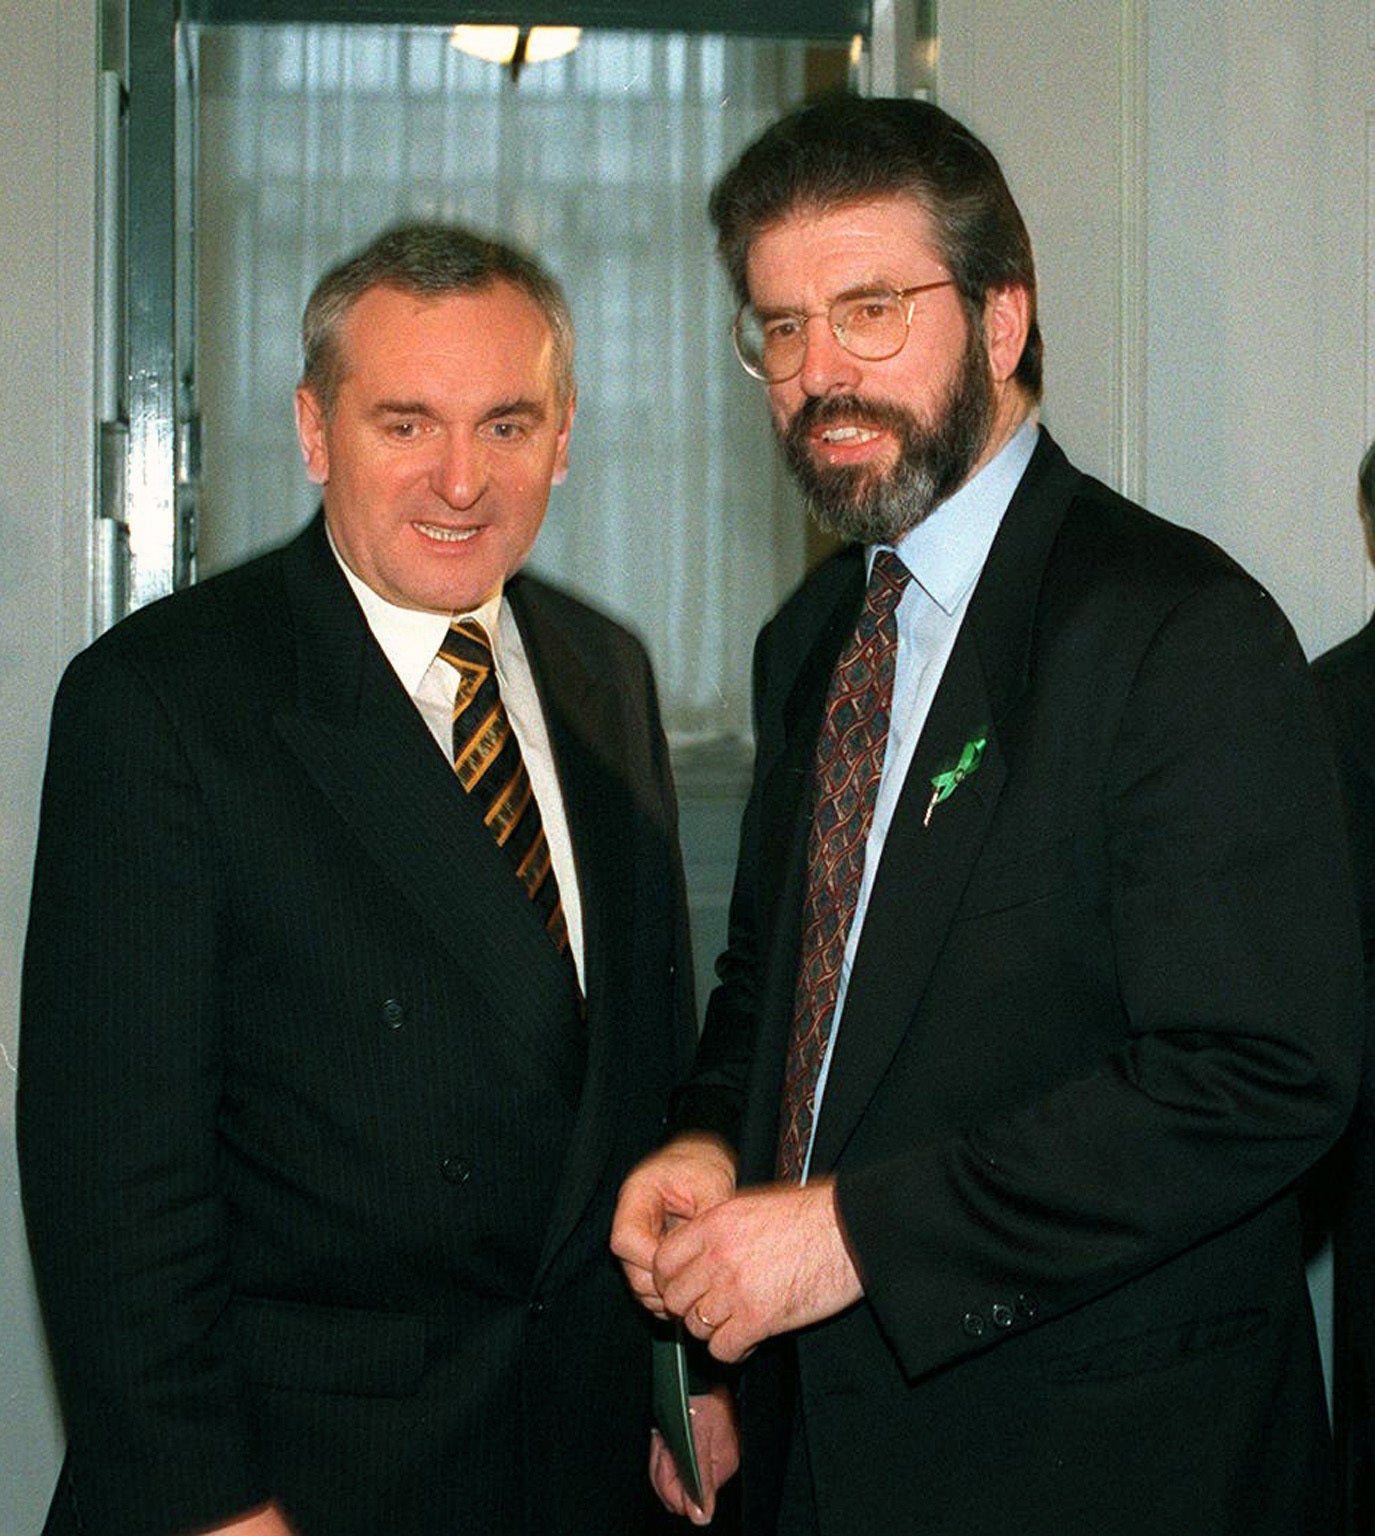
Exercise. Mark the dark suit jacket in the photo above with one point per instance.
(318, 1158)
(1103, 1014)
(1346, 1184)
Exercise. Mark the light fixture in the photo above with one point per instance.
(515, 47)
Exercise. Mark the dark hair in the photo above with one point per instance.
(846, 149)
(1365, 480)
(432, 260)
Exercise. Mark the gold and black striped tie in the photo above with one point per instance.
(491, 770)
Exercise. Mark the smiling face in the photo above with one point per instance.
(446, 433)
(878, 445)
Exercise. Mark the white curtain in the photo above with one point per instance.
(676, 516)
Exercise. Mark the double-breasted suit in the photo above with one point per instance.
(319, 1144)
(1102, 1015)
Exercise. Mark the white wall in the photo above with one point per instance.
(1258, 290)
(47, 92)
(1194, 173)
(1053, 87)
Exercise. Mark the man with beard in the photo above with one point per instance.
(1042, 985)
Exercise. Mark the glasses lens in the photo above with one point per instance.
(870, 325)
(769, 349)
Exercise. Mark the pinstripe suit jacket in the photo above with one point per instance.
(318, 1156)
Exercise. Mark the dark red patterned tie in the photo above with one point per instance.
(849, 760)
(490, 768)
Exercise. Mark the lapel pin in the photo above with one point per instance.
(945, 783)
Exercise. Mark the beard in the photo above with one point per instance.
(877, 506)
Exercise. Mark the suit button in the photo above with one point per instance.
(1027, 1308)
(1002, 1315)
(393, 1014)
(536, 1310)
(455, 1170)
(973, 1325)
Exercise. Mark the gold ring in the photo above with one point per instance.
(705, 1321)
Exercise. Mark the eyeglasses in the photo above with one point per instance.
(870, 326)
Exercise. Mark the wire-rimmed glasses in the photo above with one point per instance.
(871, 325)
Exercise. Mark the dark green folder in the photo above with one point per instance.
(671, 1411)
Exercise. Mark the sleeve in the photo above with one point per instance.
(713, 1098)
(1231, 925)
(118, 1091)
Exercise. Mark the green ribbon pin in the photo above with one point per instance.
(943, 785)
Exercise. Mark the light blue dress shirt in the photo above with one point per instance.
(945, 554)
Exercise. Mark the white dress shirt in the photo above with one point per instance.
(410, 640)
(945, 554)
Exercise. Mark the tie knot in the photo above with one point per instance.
(467, 644)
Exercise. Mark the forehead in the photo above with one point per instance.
(814, 253)
(494, 339)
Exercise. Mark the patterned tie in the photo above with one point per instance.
(849, 760)
(490, 768)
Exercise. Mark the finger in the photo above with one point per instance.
(681, 1272)
(732, 1340)
(683, 1291)
(637, 1227)
(641, 1283)
(681, 1243)
(699, 1322)
(664, 1479)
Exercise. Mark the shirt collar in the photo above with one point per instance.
(946, 550)
(410, 637)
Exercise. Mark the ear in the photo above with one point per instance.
(1007, 320)
(561, 450)
(310, 433)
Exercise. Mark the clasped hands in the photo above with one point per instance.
(736, 1268)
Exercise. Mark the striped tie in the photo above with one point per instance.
(489, 766)
(849, 762)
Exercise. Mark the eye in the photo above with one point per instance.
(507, 431)
(403, 429)
(870, 309)
(781, 328)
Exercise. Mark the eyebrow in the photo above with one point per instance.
(858, 291)
(532, 409)
(401, 408)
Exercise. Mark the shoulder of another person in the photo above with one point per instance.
(545, 610)
(1352, 662)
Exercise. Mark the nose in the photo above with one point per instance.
(827, 368)
(459, 473)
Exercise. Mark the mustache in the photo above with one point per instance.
(820, 411)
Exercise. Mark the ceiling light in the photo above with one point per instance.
(515, 45)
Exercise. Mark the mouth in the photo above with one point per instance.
(847, 435)
(441, 533)
(848, 443)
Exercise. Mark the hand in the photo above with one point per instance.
(717, 1441)
(690, 1175)
(758, 1264)
(267, 1521)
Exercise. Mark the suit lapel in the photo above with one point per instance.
(361, 739)
(583, 719)
(927, 862)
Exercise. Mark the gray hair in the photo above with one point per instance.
(432, 260)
